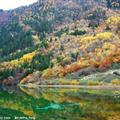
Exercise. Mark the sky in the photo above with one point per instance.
(11, 4)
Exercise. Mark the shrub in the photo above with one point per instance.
(78, 32)
(115, 82)
(48, 73)
(93, 83)
(70, 82)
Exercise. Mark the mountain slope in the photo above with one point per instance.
(58, 38)
(38, 20)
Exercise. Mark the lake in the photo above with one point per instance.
(58, 104)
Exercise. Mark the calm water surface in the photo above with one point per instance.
(59, 104)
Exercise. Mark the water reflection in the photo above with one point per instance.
(60, 104)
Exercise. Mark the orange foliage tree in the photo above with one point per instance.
(69, 69)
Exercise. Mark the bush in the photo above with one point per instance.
(93, 83)
(78, 32)
(62, 31)
(40, 62)
(115, 66)
(115, 82)
(68, 82)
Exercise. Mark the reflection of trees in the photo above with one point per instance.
(11, 89)
(6, 112)
(36, 93)
(70, 95)
(76, 103)
(15, 101)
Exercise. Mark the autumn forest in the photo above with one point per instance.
(67, 43)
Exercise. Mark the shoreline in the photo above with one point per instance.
(102, 87)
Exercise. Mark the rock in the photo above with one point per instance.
(86, 71)
(116, 73)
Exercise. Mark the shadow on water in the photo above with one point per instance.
(59, 103)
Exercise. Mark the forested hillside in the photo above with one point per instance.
(60, 38)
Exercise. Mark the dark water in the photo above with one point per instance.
(58, 104)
